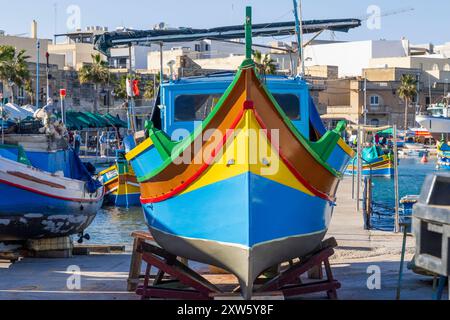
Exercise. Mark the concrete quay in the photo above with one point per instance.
(104, 276)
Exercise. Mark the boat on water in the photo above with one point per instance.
(443, 156)
(437, 118)
(375, 163)
(121, 186)
(241, 174)
(46, 190)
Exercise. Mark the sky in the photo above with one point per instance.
(428, 22)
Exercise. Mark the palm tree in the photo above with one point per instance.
(28, 87)
(97, 74)
(407, 91)
(13, 68)
(264, 63)
(120, 87)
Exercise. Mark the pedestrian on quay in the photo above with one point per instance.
(103, 144)
(77, 142)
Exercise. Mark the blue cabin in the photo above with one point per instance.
(185, 103)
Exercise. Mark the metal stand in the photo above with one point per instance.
(175, 280)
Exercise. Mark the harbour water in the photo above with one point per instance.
(114, 225)
(412, 174)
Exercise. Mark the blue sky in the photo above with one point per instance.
(429, 22)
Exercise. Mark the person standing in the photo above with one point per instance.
(77, 142)
(103, 144)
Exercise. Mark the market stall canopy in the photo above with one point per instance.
(387, 132)
(13, 112)
(108, 40)
(88, 120)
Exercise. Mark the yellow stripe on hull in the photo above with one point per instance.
(346, 148)
(139, 149)
(243, 155)
(112, 168)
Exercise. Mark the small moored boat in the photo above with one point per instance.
(121, 186)
(443, 155)
(37, 204)
(375, 163)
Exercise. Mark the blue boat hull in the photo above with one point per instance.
(245, 224)
(123, 201)
(41, 216)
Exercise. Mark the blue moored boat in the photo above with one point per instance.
(45, 193)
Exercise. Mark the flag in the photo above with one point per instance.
(129, 89)
(136, 88)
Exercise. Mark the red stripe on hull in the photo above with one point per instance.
(51, 195)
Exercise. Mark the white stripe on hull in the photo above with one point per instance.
(245, 263)
(46, 183)
(434, 124)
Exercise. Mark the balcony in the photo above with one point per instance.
(378, 109)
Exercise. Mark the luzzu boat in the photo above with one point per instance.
(121, 186)
(443, 155)
(44, 193)
(247, 189)
(376, 163)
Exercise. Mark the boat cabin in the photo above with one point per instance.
(185, 103)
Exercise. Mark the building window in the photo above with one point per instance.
(374, 100)
(198, 48)
(375, 122)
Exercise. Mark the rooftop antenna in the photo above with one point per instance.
(55, 7)
(299, 28)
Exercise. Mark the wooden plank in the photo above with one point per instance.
(86, 249)
(135, 267)
(266, 296)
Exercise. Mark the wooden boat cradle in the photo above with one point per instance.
(171, 270)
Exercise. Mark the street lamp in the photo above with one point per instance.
(38, 47)
(446, 88)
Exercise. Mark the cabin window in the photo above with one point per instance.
(195, 107)
(290, 103)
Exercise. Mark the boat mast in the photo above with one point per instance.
(299, 29)
(248, 34)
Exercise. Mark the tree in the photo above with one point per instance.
(28, 87)
(264, 63)
(151, 88)
(407, 91)
(97, 74)
(13, 68)
(120, 87)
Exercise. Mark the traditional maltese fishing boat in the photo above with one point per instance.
(45, 193)
(375, 163)
(254, 185)
(443, 155)
(121, 186)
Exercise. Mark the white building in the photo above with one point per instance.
(120, 58)
(353, 57)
